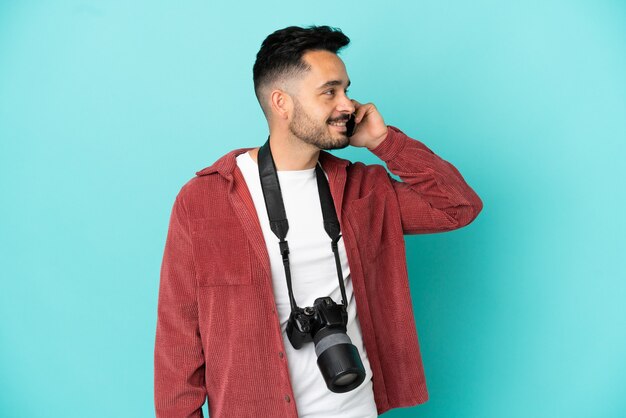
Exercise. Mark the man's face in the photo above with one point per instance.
(321, 106)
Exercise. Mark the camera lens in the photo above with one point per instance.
(338, 360)
(346, 379)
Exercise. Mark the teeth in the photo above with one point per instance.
(337, 123)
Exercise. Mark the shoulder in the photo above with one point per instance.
(210, 183)
(367, 176)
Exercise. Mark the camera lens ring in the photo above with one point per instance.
(331, 340)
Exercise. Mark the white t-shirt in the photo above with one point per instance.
(313, 275)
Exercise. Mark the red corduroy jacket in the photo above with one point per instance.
(218, 333)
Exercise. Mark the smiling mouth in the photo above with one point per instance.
(339, 127)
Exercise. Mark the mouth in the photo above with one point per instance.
(338, 125)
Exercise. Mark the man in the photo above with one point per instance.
(224, 301)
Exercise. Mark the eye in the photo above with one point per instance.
(332, 91)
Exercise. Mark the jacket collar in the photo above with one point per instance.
(226, 164)
(244, 206)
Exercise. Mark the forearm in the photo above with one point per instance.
(429, 184)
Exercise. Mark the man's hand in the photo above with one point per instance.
(370, 129)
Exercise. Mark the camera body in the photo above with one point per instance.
(305, 323)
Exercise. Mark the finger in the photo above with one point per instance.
(361, 112)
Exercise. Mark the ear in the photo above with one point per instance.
(281, 103)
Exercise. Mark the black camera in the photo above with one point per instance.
(337, 358)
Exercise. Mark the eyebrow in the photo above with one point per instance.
(333, 83)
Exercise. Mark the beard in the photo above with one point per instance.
(317, 134)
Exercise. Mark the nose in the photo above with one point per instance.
(345, 105)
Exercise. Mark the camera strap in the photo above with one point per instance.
(278, 218)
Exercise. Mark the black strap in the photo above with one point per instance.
(278, 217)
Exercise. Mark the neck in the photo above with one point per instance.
(290, 153)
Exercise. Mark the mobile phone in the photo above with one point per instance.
(350, 125)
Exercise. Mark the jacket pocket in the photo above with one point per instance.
(221, 252)
(375, 221)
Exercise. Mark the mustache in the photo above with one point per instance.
(341, 119)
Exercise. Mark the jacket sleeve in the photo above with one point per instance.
(179, 390)
(433, 197)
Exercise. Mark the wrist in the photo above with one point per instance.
(376, 142)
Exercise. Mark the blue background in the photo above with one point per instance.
(108, 107)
